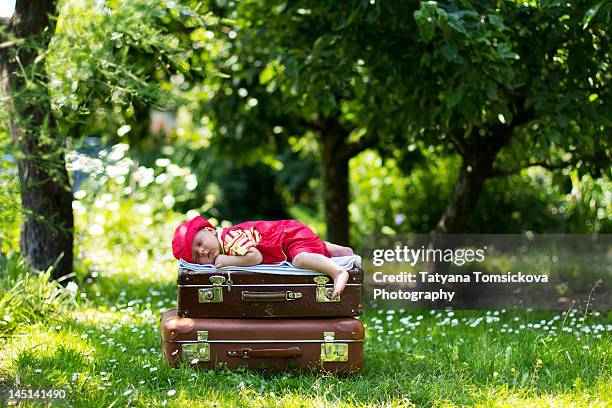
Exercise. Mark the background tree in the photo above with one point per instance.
(455, 91)
(287, 80)
(47, 231)
(515, 86)
(492, 83)
(98, 72)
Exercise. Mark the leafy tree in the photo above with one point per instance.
(279, 86)
(106, 63)
(504, 85)
(513, 86)
(46, 197)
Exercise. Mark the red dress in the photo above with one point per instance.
(280, 240)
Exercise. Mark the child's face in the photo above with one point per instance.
(205, 247)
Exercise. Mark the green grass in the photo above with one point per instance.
(28, 297)
(107, 353)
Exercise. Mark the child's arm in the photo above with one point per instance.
(252, 257)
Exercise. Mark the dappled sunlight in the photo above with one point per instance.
(106, 317)
(119, 264)
(40, 343)
(142, 266)
(121, 283)
(502, 397)
(250, 398)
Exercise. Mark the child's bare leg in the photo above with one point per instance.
(338, 250)
(321, 263)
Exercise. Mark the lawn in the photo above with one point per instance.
(106, 352)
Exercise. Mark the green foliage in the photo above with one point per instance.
(385, 200)
(534, 70)
(538, 201)
(28, 297)
(10, 208)
(461, 77)
(110, 62)
(10, 200)
(472, 56)
(125, 209)
(254, 184)
(287, 71)
(33, 140)
(588, 205)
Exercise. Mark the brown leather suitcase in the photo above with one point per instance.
(226, 293)
(273, 344)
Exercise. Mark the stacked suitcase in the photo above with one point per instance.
(274, 321)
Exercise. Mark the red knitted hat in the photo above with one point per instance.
(183, 237)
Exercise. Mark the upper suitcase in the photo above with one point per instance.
(239, 293)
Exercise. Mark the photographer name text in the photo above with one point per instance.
(442, 279)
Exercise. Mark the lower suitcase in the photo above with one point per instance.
(331, 344)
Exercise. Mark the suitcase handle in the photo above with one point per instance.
(249, 352)
(279, 296)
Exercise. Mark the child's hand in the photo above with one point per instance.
(221, 261)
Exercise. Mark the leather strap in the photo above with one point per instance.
(278, 296)
(266, 353)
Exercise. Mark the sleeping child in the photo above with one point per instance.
(254, 242)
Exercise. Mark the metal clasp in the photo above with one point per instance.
(323, 293)
(244, 353)
(214, 294)
(199, 351)
(293, 295)
(331, 351)
(229, 281)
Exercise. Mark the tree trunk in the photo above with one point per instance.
(474, 172)
(461, 204)
(336, 176)
(478, 157)
(46, 197)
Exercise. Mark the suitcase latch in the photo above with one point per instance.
(324, 293)
(331, 351)
(199, 351)
(293, 295)
(214, 294)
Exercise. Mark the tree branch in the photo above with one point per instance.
(504, 132)
(8, 44)
(312, 124)
(354, 148)
(544, 164)
(457, 141)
